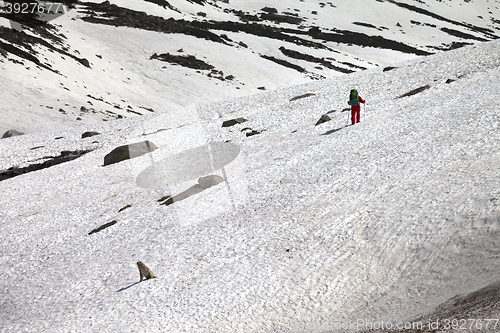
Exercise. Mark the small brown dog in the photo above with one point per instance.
(144, 271)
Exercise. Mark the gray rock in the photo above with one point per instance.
(252, 133)
(301, 96)
(324, 118)
(232, 122)
(130, 151)
(89, 134)
(84, 62)
(10, 133)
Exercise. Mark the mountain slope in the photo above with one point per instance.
(312, 225)
(102, 61)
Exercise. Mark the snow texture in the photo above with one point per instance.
(313, 225)
(117, 74)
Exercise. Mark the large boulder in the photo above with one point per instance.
(10, 133)
(232, 122)
(130, 151)
(89, 133)
(324, 118)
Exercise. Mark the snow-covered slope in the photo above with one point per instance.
(124, 58)
(313, 225)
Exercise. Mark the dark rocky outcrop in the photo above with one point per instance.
(10, 133)
(65, 156)
(111, 14)
(130, 151)
(301, 96)
(188, 61)
(123, 208)
(324, 118)
(89, 134)
(252, 133)
(284, 63)
(26, 45)
(163, 3)
(415, 91)
(83, 61)
(307, 57)
(232, 122)
(102, 227)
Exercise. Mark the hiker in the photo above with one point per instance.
(354, 100)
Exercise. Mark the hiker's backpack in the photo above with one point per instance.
(353, 97)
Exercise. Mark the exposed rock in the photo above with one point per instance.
(232, 122)
(89, 134)
(123, 208)
(415, 91)
(166, 200)
(282, 63)
(11, 132)
(65, 156)
(450, 81)
(102, 227)
(324, 118)
(130, 151)
(270, 10)
(84, 62)
(253, 132)
(390, 68)
(301, 96)
(188, 61)
(307, 57)
(290, 18)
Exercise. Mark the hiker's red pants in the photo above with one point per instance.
(355, 113)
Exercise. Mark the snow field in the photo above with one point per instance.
(384, 219)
